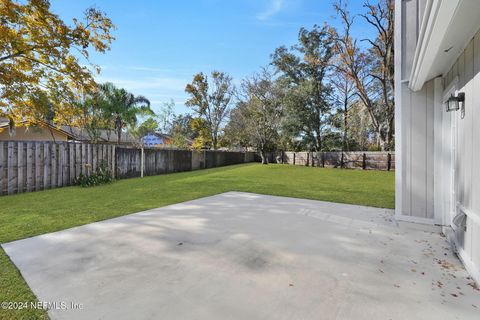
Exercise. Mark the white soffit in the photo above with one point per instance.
(447, 27)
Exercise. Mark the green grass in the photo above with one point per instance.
(30, 214)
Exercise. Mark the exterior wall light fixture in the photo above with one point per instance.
(454, 103)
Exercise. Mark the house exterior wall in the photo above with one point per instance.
(465, 77)
(33, 133)
(438, 151)
(414, 123)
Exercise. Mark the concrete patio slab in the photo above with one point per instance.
(247, 256)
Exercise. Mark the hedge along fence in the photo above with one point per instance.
(32, 166)
(349, 160)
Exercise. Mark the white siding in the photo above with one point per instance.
(475, 189)
(416, 197)
(417, 151)
(467, 154)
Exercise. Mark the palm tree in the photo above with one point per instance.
(123, 107)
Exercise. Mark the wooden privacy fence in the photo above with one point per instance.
(33, 166)
(159, 161)
(351, 160)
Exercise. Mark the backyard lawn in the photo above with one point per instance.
(32, 214)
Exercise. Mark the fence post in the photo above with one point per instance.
(142, 160)
(389, 161)
(364, 161)
(114, 165)
(323, 159)
(294, 158)
(308, 158)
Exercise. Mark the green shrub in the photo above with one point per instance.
(102, 176)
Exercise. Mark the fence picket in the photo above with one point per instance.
(3, 167)
(21, 167)
(11, 167)
(30, 167)
(46, 166)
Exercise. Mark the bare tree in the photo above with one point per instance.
(371, 70)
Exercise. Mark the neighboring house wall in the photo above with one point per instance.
(155, 140)
(33, 133)
(151, 140)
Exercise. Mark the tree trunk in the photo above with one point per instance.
(345, 126)
(118, 126)
(391, 130)
(381, 140)
(214, 142)
(264, 156)
(119, 135)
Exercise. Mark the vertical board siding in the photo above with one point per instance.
(410, 34)
(475, 155)
(467, 142)
(417, 156)
(429, 152)
(466, 136)
(418, 166)
(406, 145)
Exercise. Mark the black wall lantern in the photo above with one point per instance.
(454, 103)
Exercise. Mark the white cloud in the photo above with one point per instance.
(274, 7)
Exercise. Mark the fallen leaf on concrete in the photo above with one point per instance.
(396, 286)
(413, 270)
(474, 285)
(454, 295)
(180, 243)
(290, 285)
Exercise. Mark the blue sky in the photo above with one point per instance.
(161, 44)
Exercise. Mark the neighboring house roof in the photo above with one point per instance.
(4, 124)
(107, 136)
